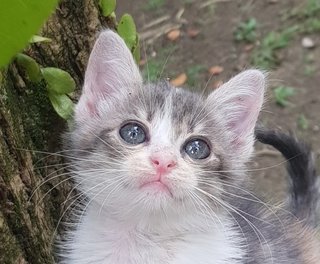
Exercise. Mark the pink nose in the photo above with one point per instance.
(163, 164)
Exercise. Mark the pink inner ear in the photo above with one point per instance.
(110, 72)
(91, 108)
(240, 103)
(245, 115)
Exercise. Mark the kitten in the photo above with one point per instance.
(164, 172)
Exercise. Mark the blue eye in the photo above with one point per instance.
(197, 149)
(133, 133)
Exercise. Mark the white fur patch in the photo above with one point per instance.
(101, 240)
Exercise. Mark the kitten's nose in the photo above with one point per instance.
(163, 164)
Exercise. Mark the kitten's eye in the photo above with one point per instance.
(197, 149)
(133, 133)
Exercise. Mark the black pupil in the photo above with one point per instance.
(194, 148)
(132, 133)
(197, 149)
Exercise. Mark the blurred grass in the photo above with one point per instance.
(155, 67)
(193, 73)
(154, 5)
(265, 56)
(246, 31)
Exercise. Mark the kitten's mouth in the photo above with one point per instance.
(157, 186)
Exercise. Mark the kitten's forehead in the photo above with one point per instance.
(174, 111)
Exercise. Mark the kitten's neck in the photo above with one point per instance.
(177, 223)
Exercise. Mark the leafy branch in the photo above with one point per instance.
(59, 83)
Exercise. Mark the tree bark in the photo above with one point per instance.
(28, 124)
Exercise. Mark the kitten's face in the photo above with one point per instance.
(152, 147)
(155, 148)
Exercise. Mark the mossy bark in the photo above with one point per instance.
(29, 128)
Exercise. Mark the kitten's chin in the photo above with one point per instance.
(156, 188)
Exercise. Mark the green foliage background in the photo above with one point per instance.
(20, 19)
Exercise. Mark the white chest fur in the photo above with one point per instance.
(103, 241)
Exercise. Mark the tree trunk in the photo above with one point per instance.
(29, 128)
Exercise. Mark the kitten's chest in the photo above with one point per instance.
(122, 248)
(137, 248)
(187, 249)
(101, 240)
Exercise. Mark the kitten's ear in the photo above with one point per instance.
(111, 71)
(238, 102)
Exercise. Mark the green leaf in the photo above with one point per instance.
(136, 51)
(20, 19)
(127, 30)
(107, 6)
(62, 104)
(303, 123)
(58, 81)
(30, 66)
(113, 17)
(282, 94)
(37, 39)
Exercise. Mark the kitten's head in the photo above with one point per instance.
(152, 148)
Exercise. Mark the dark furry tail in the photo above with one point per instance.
(305, 185)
